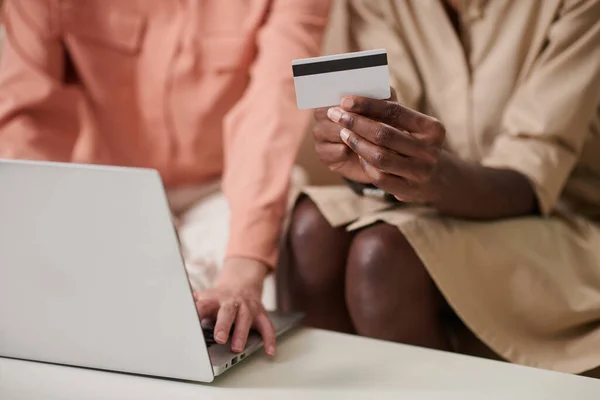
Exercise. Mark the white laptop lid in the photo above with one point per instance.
(91, 274)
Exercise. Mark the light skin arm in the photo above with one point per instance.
(262, 134)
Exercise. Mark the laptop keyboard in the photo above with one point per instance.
(209, 336)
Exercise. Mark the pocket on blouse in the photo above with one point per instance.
(106, 23)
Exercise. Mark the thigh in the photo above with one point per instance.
(311, 278)
(203, 231)
(202, 220)
(529, 288)
(383, 262)
(318, 250)
(313, 259)
(202, 217)
(389, 292)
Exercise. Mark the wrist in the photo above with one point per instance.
(243, 271)
(441, 179)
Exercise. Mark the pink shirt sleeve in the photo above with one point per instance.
(39, 114)
(264, 131)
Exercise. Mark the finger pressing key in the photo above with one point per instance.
(225, 318)
(243, 323)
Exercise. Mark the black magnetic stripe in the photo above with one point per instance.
(344, 64)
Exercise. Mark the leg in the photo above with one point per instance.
(389, 293)
(315, 281)
(203, 233)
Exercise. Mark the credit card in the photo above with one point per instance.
(323, 81)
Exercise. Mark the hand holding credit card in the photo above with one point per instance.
(364, 135)
(323, 81)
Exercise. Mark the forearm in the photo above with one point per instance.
(254, 230)
(473, 191)
(264, 131)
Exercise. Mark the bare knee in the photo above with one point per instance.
(307, 222)
(319, 250)
(385, 281)
(380, 252)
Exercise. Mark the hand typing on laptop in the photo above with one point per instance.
(236, 301)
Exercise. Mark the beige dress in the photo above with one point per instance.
(522, 91)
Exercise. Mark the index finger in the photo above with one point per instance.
(390, 112)
(207, 308)
(225, 318)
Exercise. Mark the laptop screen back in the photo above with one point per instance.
(91, 274)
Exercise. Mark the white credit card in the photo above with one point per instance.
(323, 81)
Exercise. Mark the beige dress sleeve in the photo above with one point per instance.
(547, 121)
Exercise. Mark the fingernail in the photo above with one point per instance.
(334, 114)
(362, 162)
(347, 103)
(237, 345)
(221, 337)
(345, 134)
(271, 351)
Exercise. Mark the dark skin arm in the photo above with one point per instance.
(468, 190)
(400, 151)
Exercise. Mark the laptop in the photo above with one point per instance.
(91, 275)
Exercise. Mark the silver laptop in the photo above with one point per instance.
(91, 275)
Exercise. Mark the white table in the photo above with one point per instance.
(312, 364)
